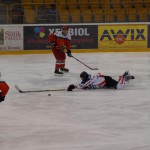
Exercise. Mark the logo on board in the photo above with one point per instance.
(39, 32)
(120, 36)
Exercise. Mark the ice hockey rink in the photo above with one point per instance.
(104, 119)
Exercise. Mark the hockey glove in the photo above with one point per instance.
(71, 87)
(2, 98)
(69, 53)
(53, 44)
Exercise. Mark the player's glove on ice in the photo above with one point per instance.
(71, 87)
(69, 53)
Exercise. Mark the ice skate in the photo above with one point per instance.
(127, 76)
(126, 73)
(64, 69)
(57, 72)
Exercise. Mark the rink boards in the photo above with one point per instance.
(30, 39)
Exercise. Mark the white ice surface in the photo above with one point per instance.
(79, 120)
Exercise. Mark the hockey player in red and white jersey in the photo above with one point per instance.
(101, 81)
(60, 41)
(4, 88)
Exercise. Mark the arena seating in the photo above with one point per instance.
(64, 16)
(26, 1)
(29, 13)
(3, 14)
(143, 15)
(88, 11)
(121, 15)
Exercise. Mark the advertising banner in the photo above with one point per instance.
(11, 38)
(36, 37)
(148, 36)
(84, 37)
(122, 36)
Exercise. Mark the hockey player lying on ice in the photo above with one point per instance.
(101, 81)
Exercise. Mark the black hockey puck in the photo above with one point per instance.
(49, 94)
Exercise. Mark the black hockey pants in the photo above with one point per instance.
(110, 83)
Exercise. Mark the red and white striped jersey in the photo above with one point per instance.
(62, 41)
(98, 81)
(94, 82)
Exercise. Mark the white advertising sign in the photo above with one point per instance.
(11, 38)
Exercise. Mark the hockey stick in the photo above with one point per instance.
(84, 64)
(20, 91)
(62, 49)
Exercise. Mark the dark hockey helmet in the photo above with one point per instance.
(84, 76)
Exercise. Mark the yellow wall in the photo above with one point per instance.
(122, 36)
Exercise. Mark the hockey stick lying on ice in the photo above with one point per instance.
(84, 64)
(20, 91)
